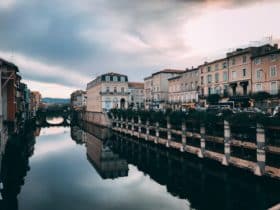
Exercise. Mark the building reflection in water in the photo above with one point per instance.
(97, 140)
(205, 184)
(14, 167)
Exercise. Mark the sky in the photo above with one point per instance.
(61, 46)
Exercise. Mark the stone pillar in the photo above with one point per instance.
(132, 126)
(168, 132)
(126, 125)
(157, 132)
(202, 141)
(227, 138)
(147, 130)
(139, 126)
(117, 122)
(261, 157)
(121, 123)
(184, 136)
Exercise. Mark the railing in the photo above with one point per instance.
(216, 141)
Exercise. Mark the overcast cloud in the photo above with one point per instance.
(67, 44)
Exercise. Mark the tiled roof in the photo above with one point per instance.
(169, 71)
(138, 85)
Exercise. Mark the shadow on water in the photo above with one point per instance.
(204, 183)
(15, 165)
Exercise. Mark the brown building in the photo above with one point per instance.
(240, 68)
(183, 89)
(266, 75)
(214, 77)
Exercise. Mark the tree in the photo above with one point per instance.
(260, 96)
(213, 99)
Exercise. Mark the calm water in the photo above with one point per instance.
(72, 168)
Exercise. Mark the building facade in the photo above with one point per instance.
(156, 88)
(35, 102)
(78, 100)
(107, 91)
(265, 74)
(136, 95)
(183, 89)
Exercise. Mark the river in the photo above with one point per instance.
(88, 168)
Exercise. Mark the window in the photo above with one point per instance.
(122, 89)
(217, 90)
(233, 74)
(107, 78)
(259, 74)
(224, 65)
(122, 79)
(257, 61)
(258, 87)
(216, 66)
(244, 73)
(192, 85)
(209, 78)
(115, 89)
(273, 88)
(107, 89)
(202, 80)
(273, 57)
(233, 61)
(244, 58)
(217, 77)
(273, 71)
(209, 68)
(115, 78)
(225, 76)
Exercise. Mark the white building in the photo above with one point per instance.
(78, 99)
(136, 95)
(107, 91)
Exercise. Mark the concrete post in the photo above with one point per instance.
(139, 126)
(121, 123)
(132, 126)
(157, 132)
(202, 141)
(227, 138)
(184, 136)
(261, 157)
(168, 132)
(147, 130)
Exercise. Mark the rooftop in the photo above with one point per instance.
(168, 71)
(138, 85)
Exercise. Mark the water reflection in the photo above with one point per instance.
(15, 165)
(97, 169)
(54, 120)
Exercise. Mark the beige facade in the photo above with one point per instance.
(156, 88)
(266, 75)
(106, 92)
(78, 99)
(183, 89)
(136, 95)
(240, 68)
(214, 77)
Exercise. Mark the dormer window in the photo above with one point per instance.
(115, 78)
(107, 78)
(122, 79)
(257, 60)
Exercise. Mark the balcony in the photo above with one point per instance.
(114, 93)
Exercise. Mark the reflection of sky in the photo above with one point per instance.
(54, 120)
(62, 178)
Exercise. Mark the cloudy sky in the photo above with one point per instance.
(60, 46)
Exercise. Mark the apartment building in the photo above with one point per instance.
(240, 68)
(156, 88)
(265, 74)
(214, 77)
(78, 99)
(107, 91)
(136, 95)
(183, 89)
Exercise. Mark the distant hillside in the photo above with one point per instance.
(56, 100)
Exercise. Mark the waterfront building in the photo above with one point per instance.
(78, 100)
(107, 91)
(265, 74)
(136, 95)
(156, 88)
(240, 68)
(214, 77)
(35, 102)
(183, 89)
